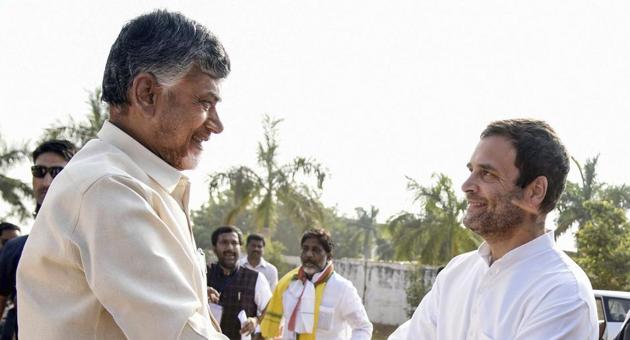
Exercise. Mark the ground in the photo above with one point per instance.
(381, 332)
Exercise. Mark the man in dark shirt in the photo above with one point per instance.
(8, 231)
(49, 158)
(242, 293)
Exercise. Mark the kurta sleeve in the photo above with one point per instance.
(262, 293)
(569, 318)
(354, 313)
(273, 282)
(423, 323)
(138, 270)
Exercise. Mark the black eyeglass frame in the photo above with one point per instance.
(40, 171)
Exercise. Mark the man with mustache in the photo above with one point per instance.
(49, 159)
(315, 301)
(242, 293)
(255, 246)
(518, 284)
(112, 253)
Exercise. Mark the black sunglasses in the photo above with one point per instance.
(40, 171)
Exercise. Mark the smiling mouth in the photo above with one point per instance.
(473, 204)
(198, 141)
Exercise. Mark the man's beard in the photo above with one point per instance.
(501, 221)
(230, 265)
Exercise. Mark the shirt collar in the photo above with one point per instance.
(163, 173)
(262, 263)
(540, 243)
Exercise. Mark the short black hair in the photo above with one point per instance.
(60, 147)
(255, 237)
(539, 152)
(224, 230)
(8, 226)
(321, 235)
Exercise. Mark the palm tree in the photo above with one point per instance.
(13, 191)
(367, 233)
(436, 234)
(366, 229)
(275, 185)
(571, 208)
(80, 132)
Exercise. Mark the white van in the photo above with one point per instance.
(612, 307)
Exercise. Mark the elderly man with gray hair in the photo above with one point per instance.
(112, 254)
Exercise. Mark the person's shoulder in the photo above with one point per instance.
(569, 275)
(244, 271)
(338, 280)
(268, 264)
(16, 242)
(464, 259)
(14, 246)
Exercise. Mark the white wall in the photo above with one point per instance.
(386, 298)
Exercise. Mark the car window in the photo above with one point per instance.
(616, 308)
(600, 309)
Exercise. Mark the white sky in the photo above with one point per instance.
(374, 90)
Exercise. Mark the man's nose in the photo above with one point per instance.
(47, 179)
(469, 184)
(213, 123)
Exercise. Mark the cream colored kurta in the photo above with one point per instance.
(111, 254)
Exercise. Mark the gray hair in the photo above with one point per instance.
(165, 44)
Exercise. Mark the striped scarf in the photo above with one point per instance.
(270, 325)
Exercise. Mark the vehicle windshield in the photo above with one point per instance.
(616, 308)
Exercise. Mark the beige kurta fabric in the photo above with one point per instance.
(111, 254)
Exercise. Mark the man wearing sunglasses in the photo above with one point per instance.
(49, 159)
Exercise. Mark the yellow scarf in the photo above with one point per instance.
(272, 319)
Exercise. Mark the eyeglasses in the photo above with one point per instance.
(40, 171)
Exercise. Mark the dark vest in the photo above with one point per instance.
(237, 293)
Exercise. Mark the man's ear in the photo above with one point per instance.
(536, 192)
(144, 91)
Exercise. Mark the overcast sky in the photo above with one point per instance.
(374, 90)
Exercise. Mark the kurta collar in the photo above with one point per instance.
(539, 244)
(163, 173)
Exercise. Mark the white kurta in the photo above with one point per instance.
(533, 292)
(111, 255)
(269, 270)
(341, 314)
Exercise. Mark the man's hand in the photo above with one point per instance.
(213, 295)
(249, 326)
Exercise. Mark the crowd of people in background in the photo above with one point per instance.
(112, 255)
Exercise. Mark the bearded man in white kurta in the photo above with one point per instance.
(518, 285)
(315, 302)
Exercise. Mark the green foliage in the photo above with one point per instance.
(603, 244)
(211, 215)
(13, 191)
(571, 209)
(274, 187)
(436, 234)
(80, 132)
(415, 289)
(366, 230)
(274, 251)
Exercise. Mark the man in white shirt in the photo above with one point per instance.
(112, 254)
(236, 289)
(255, 246)
(315, 302)
(518, 285)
